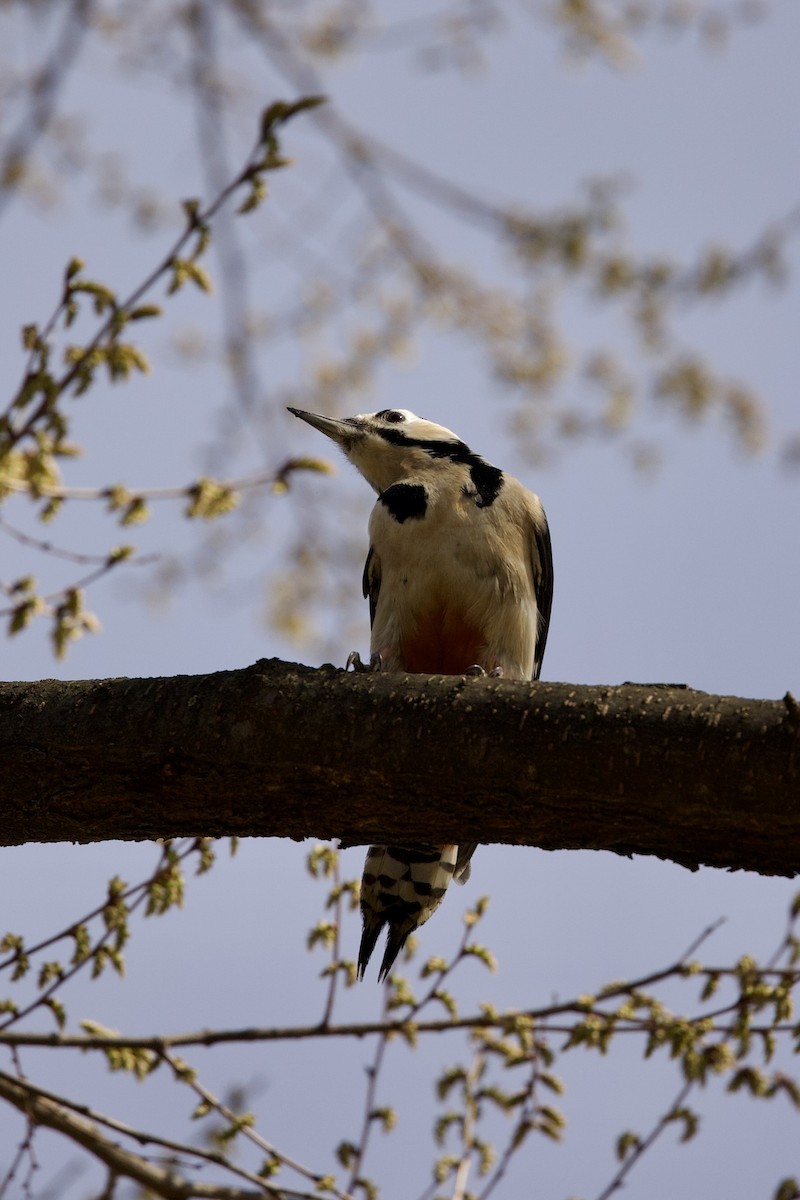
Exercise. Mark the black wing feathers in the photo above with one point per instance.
(543, 579)
(371, 583)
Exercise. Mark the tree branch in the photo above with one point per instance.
(289, 751)
(544, 1017)
(160, 1181)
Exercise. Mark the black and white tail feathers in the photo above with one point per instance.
(402, 886)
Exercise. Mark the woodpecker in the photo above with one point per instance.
(459, 578)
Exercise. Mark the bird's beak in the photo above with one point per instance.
(344, 433)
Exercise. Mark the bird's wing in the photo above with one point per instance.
(371, 582)
(542, 559)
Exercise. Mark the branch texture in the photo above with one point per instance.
(290, 751)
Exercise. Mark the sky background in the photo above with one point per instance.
(687, 573)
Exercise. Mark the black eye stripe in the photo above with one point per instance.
(487, 480)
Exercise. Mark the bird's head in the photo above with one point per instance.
(389, 446)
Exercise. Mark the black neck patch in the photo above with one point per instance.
(487, 480)
(405, 500)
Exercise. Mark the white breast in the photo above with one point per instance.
(456, 588)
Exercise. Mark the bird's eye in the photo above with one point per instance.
(392, 416)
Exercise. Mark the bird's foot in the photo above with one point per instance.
(477, 669)
(354, 660)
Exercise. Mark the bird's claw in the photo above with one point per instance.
(354, 660)
(477, 670)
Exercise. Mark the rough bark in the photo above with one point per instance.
(289, 751)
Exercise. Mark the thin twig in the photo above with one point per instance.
(468, 1127)
(205, 73)
(25, 539)
(480, 1020)
(525, 1120)
(45, 87)
(164, 1182)
(335, 948)
(56, 491)
(25, 1148)
(141, 1136)
(109, 933)
(641, 1147)
(196, 220)
(373, 1071)
(185, 1075)
(96, 912)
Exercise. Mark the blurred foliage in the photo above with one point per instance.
(365, 258)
